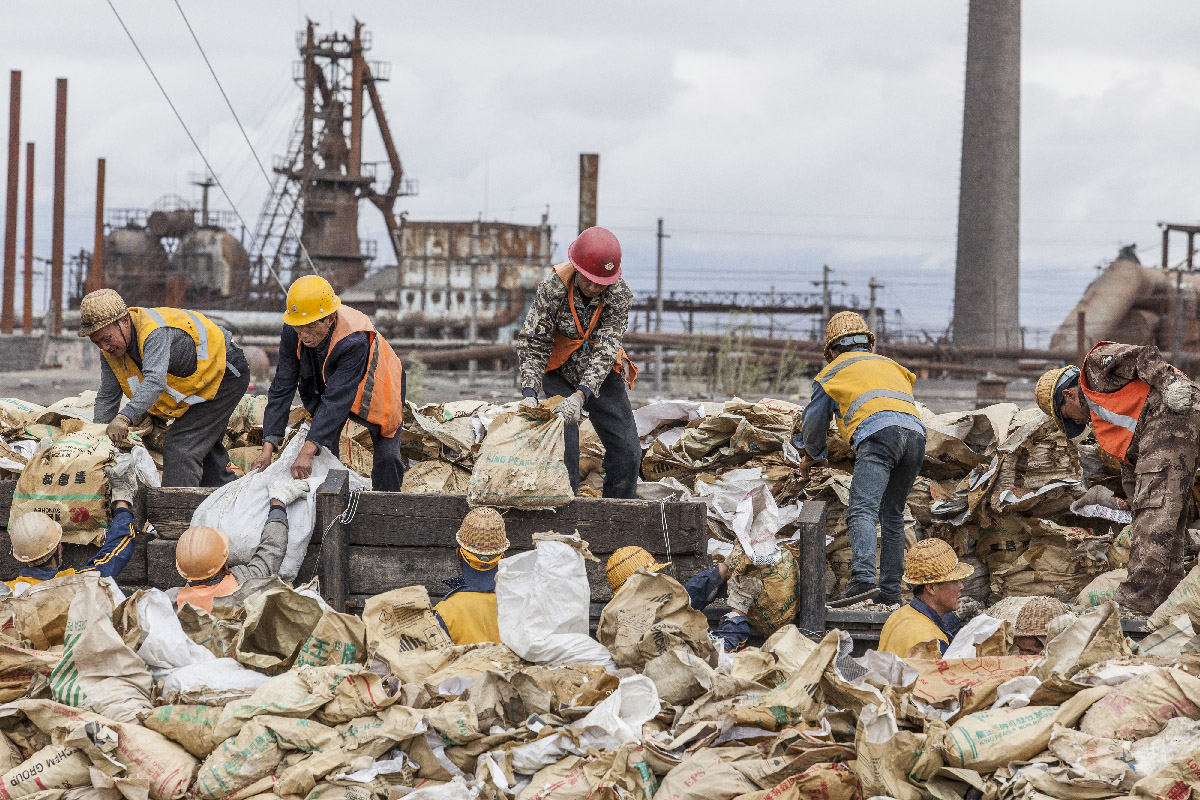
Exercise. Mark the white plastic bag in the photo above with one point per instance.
(212, 682)
(543, 605)
(240, 508)
(623, 713)
(166, 646)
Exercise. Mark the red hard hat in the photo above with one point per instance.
(597, 254)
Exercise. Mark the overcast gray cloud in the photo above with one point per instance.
(772, 137)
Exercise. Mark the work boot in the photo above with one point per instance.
(856, 592)
(888, 599)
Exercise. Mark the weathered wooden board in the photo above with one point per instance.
(170, 509)
(159, 566)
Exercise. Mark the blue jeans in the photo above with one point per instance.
(886, 464)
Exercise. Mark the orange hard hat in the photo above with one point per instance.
(201, 552)
(597, 254)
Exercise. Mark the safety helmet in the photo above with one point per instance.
(1037, 614)
(482, 532)
(201, 552)
(309, 299)
(597, 254)
(1048, 392)
(934, 561)
(628, 560)
(843, 324)
(100, 308)
(34, 536)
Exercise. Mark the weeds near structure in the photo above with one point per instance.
(414, 380)
(735, 368)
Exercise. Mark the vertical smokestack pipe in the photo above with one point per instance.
(589, 178)
(95, 278)
(54, 313)
(27, 295)
(987, 277)
(10, 208)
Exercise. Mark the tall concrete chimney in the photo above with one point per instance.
(987, 275)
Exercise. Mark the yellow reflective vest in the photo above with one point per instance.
(864, 383)
(907, 627)
(470, 617)
(181, 392)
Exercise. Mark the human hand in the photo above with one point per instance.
(570, 408)
(302, 466)
(264, 458)
(118, 431)
(288, 492)
(1180, 397)
(529, 402)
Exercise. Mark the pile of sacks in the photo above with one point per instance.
(273, 695)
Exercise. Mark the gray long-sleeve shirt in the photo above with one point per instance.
(168, 351)
(268, 556)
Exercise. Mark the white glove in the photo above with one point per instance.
(529, 402)
(288, 492)
(968, 609)
(1179, 397)
(743, 591)
(570, 408)
(122, 478)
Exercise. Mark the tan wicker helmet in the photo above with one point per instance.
(1037, 614)
(628, 560)
(934, 561)
(99, 308)
(34, 536)
(845, 323)
(201, 552)
(482, 532)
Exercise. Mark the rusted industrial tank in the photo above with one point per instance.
(135, 264)
(171, 223)
(214, 265)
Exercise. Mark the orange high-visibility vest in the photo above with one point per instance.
(1114, 414)
(564, 345)
(202, 596)
(380, 391)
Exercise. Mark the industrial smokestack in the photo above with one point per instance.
(589, 178)
(27, 286)
(10, 209)
(987, 275)
(54, 312)
(95, 278)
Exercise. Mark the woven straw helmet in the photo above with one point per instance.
(1037, 614)
(99, 308)
(201, 552)
(1043, 392)
(934, 561)
(845, 323)
(628, 560)
(482, 532)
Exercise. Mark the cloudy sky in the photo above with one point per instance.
(772, 137)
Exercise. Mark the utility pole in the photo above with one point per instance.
(658, 309)
(771, 316)
(871, 313)
(825, 300)
(205, 183)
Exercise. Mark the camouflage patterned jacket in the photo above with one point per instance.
(1112, 366)
(586, 367)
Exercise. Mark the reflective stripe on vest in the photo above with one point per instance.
(564, 345)
(181, 392)
(1114, 414)
(862, 384)
(203, 596)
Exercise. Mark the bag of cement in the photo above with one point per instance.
(39, 615)
(543, 602)
(16, 415)
(1184, 599)
(436, 477)
(335, 639)
(650, 615)
(709, 774)
(55, 766)
(215, 682)
(278, 622)
(1102, 588)
(401, 622)
(775, 606)
(98, 671)
(67, 482)
(1142, 706)
(890, 761)
(521, 463)
(240, 508)
(1118, 551)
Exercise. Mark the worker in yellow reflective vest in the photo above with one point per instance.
(935, 575)
(37, 539)
(871, 398)
(171, 365)
(468, 611)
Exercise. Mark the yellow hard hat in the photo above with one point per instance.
(310, 298)
(934, 561)
(1045, 390)
(100, 308)
(34, 536)
(201, 552)
(628, 560)
(482, 532)
(845, 323)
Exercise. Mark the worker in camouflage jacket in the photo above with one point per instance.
(570, 347)
(1145, 413)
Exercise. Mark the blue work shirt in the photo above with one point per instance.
(703, 588)
(109, 560)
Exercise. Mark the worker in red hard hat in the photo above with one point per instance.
(570, 346)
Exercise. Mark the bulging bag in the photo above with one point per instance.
(67, 482)
(521, 463)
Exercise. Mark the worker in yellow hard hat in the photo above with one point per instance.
(202, 553)
(871, 397)
(468, 611)
(936, 576)
(703, 589)
(36, 537)
(1143, 412)
(343, 369)
(172, 365)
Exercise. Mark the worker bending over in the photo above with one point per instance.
(871, 397)
(344, 370)
(202, 553)
(703, 588)
(171, 364)
(935, 574)
(37, 539)
(570, 346)
(468, 611)
(1143, 412)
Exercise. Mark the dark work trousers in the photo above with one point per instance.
(387, 468)
(193, 453)
(612, 416)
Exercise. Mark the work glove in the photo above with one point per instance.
(743, 590)
(122, 478)
(529, 402)
(968, 609)
(118, 431)
(288, 492)
(570, 408)
(1180, 397)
